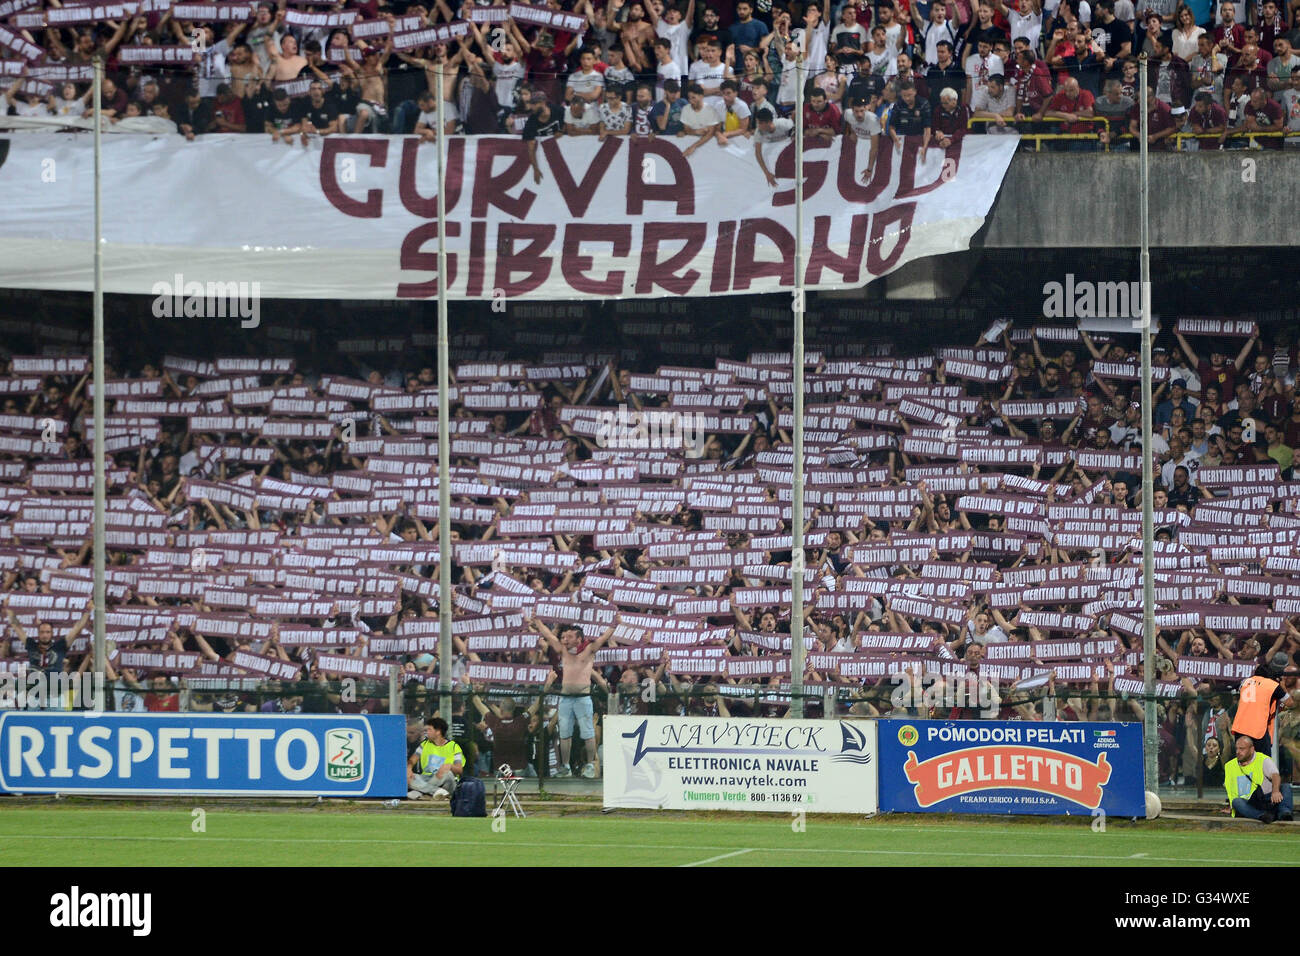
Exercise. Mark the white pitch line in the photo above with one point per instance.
(724, 856)
(993, 855)
(1058, 824)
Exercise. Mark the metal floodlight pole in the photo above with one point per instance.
(97, 375)
(1150, 743)
(444, 441)
(797, 650)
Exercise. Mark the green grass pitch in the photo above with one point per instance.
(81, 834)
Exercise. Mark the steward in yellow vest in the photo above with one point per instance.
(1254, 785)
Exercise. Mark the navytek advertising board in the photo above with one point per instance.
(716, 763)
(335, 755)
(965, 766)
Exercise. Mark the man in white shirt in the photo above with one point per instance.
(849, 38)
(1025, 22)
(212, 69)
(862, 124)
(980, 66)
(581, 118)
(996, 100)
(27, 103)
(426, 125)
(814, 36)
(881, 57)
(769, 129)
(586, 83)
(1179, 454)
(708, 72)
(734, 106)
(698, 118)
(677, 31)
(666, 67)
(938, 28)
(894, 34)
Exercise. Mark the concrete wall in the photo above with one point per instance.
(1228, 198)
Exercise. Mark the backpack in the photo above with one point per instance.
(470, 798)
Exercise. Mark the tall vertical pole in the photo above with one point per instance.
(97, 377)
(1150, 743)
(444, 441)
(796, 504)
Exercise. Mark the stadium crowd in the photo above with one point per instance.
(696, 71)
(973, 531)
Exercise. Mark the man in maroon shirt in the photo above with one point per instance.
(1263, 51)
(1230, 36)
(547, 66)
(1217, 371)
(227, 111)
(1264, 115)
(1033, 84)
(509, 729)
(821, 118)
(1070, 103)
(1169, 73)
(1249, 67)
(1271, 25)
(1160, 121)
(950, 120)
(1206, 116)
(162, 697)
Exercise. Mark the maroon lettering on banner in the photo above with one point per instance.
(531, 260)
(900, 214)
(574, 265)
(372, 207)
(679, 192)
(849, 265)
(477, 258)
(578, 195)
(907, 187)
(663, 274)
(882, 176)
(492, 189)
(414, 260)
(847, 175)
(723, 257)
(748, 268)
(814, 174)
(453, 173)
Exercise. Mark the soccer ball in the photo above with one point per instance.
(1153, 805)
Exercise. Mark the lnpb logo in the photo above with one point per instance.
(1008, 768)
(344, 754)
(854, 746)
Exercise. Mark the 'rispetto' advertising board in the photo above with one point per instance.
(331, 755)
(727, 763)
(983, 766)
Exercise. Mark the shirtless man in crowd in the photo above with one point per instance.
(374, 88)
(576, 665)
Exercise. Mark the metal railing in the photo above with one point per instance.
(1251, 137)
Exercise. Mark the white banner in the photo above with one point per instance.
(355, 217)
(714, 763)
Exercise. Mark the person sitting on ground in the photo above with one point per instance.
(436, 765)
(1254, 785)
